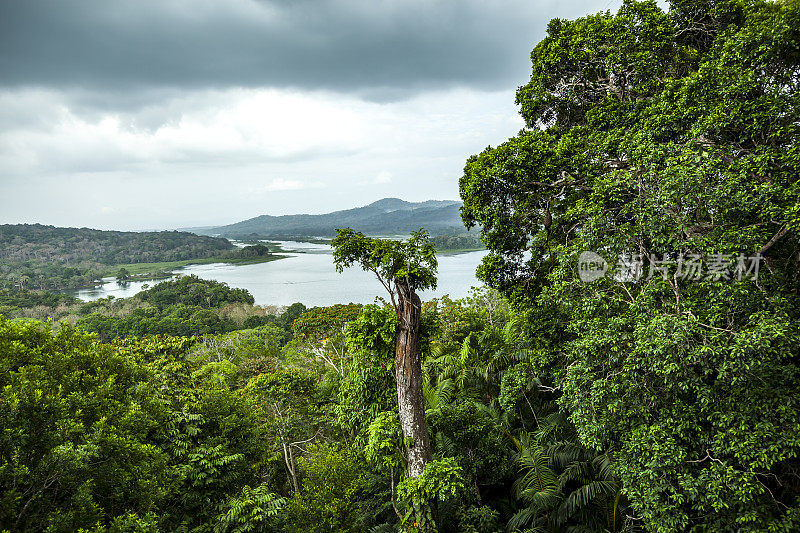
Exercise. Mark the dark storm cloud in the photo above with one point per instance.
(382, 50)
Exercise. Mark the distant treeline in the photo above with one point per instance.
(185, 306)
(459, 241)
(45, 257)
(37, 257)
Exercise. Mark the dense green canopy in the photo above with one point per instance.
(670, 140)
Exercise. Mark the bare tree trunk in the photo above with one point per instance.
(410, 401)
(408, 368)
(288, 459)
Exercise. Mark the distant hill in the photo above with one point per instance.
(390, 216)
(47, 257)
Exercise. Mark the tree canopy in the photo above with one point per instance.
(666, 144)
(412, 261)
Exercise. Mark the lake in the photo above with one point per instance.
(307, 276)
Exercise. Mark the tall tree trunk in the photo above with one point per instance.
(408, 372)
(410, 401)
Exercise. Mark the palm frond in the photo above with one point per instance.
(564, 453)
(538, 487)
(584, 496)
(524, 521)
(603, 467)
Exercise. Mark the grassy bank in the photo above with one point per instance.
(140, 270)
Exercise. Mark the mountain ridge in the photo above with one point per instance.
(387, 216)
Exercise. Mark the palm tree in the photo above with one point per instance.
(476, 365)
(538, 488)
(565, 486)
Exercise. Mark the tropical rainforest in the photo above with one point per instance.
(660, 393)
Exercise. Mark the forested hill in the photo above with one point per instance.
(389, 216)
(46, 256)
(49, 243)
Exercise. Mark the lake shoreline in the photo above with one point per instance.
(137, 270)
(307, 274)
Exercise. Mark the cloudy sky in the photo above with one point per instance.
(157, 114)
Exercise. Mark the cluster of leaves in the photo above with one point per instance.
(320, 330)
(412, 260)
(100, 436)
(23, 298)
(13, 301)
(192, 290)
(176, 320)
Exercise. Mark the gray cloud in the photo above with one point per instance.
(381, 50)
(141, 114)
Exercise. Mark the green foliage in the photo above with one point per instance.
(236, 421)
(123, 275)
(292, 313)
(368, 387)
(24, 298)
(46, 257)
(194, 291)
(538, 488)
(76, 427)
(412, 260)
(384, 441)
(186, 306)
(481, 519)
(256, 250)
(181, 307)
(441, 479)
(176, 320)
(124, 437)
(319, 333)
(563, 484)
(254, 510)
(457, 242)
(331, 495)
(323, 322)
(468, 434)
(666, 134)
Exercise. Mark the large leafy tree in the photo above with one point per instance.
(403, 268)
(673, 136)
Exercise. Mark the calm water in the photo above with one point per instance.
(309, 278)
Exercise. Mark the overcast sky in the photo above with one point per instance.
(157, 114)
